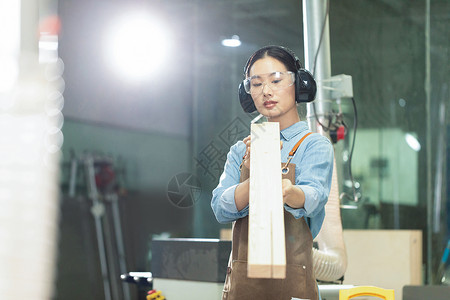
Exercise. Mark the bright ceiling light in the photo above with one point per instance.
(233, 42)
(137, 46)
(412, 142)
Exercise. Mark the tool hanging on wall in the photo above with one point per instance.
(103, 190)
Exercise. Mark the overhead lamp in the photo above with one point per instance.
(138, 45)
(412, 142)
(234, 41)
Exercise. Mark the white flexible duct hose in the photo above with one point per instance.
(330, 261)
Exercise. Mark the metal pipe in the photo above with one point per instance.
(114, 198)
(97, 211)
(330, 261)
(73, 176)
(427, 83)
(317, 58)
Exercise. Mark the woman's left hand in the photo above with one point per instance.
(292, 195)
(286, 187)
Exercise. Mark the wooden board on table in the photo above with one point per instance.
(266, 241)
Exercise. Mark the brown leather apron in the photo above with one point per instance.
(300, 281)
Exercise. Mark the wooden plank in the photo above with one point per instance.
(278, 233)
(266, 245)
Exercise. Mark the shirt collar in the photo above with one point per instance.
(293, 130)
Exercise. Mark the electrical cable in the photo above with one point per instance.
(355, 126)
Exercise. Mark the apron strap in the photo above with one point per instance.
(294, 149)
(291, 154)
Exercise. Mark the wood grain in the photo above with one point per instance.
(266, 243)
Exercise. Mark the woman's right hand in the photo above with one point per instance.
(247, 142)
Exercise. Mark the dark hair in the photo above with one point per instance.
(284, 55)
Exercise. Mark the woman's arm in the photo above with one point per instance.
(313, 180)
(241, 194)
(223, 202)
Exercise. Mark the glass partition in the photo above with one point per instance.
(182, 120)
(397, 56)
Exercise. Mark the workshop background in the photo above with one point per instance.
(158, 144)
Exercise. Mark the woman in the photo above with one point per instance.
(274, 83)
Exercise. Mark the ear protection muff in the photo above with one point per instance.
(305, 85)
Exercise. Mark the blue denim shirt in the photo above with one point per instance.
(313, 170)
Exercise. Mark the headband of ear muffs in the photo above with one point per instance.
(305, 85)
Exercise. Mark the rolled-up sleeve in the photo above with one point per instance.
(223, 203)
(314, 171)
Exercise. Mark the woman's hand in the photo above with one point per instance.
(247, 142)
(292, 195)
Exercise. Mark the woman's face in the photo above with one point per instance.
(272, 104)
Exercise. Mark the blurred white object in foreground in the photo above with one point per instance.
(30, 141)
